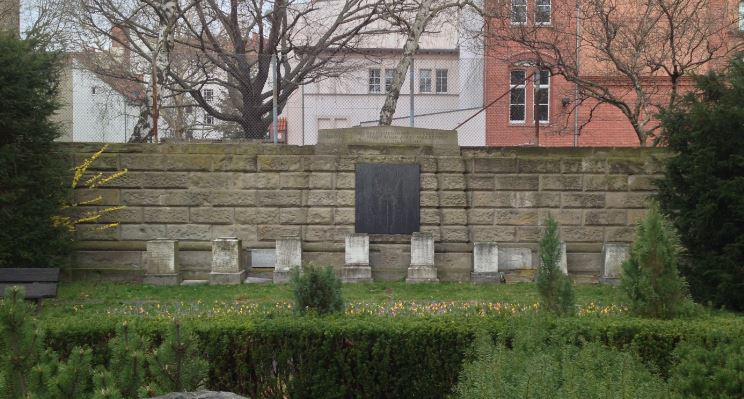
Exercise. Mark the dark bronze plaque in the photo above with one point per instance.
(387, 198)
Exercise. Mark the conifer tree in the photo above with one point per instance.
(127, 364)
(104, 385)
(19, 343)
(73, 378)
(176, 365)
(650, 277)
(555, 288)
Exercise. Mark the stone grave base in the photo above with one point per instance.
(356, 274)
(162, 279)
(216, 278)
(422, 274)
(485, 277)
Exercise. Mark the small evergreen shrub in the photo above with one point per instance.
(20, 343)
(704, 370)
(650, 278)
(555, 288)
(127, 364)
(317, 290)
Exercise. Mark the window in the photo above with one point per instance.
(374, 81)
(389, 79)
(441, 81)
(542, 12)
(425, 80)
(208, 95)
(517, 97)
(741, 16)
(93, 89)
(519, 12)
(542, 95)
(208, 120)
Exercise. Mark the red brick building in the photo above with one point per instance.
(523, 83)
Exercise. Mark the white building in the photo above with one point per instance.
(447, 89)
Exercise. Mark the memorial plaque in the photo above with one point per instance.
(387, 198)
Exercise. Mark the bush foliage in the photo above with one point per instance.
(317, 290)
(556, 291)
(32, 181)
(650, 277)
(703, 187)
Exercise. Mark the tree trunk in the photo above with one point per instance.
(423, 15)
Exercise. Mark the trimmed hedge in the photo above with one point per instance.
(341, 357)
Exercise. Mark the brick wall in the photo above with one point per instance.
(198, 192)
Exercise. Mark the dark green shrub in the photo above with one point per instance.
(127, 364)
(554, 371)
(317, 290)
(650, 277)
(31, 179)
(20, 343)
(556, 291)
(703, 186)
(709, 370)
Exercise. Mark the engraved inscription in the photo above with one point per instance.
(387, 199)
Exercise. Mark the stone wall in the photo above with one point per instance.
(257, 192)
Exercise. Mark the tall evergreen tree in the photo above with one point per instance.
(703, 188)
(31, 179)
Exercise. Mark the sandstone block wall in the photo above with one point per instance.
(258, 192)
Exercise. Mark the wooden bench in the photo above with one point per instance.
(38, 282)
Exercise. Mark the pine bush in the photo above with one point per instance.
(127, 364)
(650, 277)
(31, 175)
(703, 186)
(20, 343)
(554, 287)
(317, 290)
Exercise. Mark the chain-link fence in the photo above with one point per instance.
(217, 106)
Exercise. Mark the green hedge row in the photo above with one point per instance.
(337, 357)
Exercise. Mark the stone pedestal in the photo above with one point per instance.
(226, 261)
(356, 266)
(485, 263)
(161, 263)
(288, 256)
(422, 268)
(613, 256)
(563, 265)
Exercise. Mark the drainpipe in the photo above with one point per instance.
(576, 94)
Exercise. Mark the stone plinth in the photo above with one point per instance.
(288, 256)
(564, 261)
(485, 263)
(356, 265)
(161, 263)
(422, 268)
(613, 256)
(226, 261)
(392, 138)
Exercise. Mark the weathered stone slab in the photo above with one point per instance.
(563, 264)
(391, 138)
(356, 259)
(288, 256)
(226, 261)
(485, 262)
(613, 256)
(515, 258)
(161, 264)
(422, 268)
(263, 258)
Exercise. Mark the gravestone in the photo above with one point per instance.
(356, 265)
(161, 262)
(564, 259)
(613, 257)
(288, 257)
(226, 261)
(263, 258)
(422, 268)
(387, 198)
(485, 262)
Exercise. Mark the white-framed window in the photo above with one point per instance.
(208, 120)
(389, 73)
(425, 80)
(375, 80)
(517, 94)
(741, 16)
(542, 12)
(542, 95)
(441, 82)
(518, 12)
(208, 95)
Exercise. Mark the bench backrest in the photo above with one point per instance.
(38, 282)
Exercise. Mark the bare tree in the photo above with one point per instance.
(634, 55)
(228, 44)
(412, 19)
